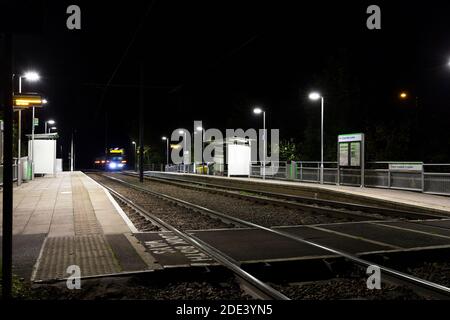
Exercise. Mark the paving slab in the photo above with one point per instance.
(70, 219)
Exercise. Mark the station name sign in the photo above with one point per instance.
(350, 137)
(406, 166)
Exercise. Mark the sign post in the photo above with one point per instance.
(350, 153)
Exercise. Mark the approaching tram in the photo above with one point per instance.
(114, 161)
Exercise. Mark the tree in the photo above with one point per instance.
(288, 151)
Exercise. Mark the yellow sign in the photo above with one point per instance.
(26, 101)
(116, 151)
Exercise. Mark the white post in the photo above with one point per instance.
(321, 142)
(71, 154)
(184, 152)
(32, 147)
(167, 151)
(265, 145)
(19, 142)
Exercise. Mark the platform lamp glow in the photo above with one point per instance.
(167, 149)
(258, 110)
(51, 122)
(316, 96)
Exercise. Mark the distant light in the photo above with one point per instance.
(175, 146)
(51, 122)
(403, 95)
(112, 165)
(314, 96)
(133, 142)
(257, 110)
(31, 76)
(181, 132)
(199, 128)
(164, 138)
(53, 128)
(44, 101)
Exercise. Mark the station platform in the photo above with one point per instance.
(71, 220)
(391, 198)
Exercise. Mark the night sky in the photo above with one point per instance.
(214, 60)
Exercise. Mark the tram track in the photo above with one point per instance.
(389, 275)
(332, 207)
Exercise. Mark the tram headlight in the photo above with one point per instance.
(112, 165)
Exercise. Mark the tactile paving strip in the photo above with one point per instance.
(85, 221)
(91, 253)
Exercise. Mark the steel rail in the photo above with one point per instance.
(298, 199)
(436, 290)
(263, 290)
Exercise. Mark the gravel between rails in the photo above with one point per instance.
(437, 272)
(267, 215)
(133, 288)
(344, 289)
(177, 216)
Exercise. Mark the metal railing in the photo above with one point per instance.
(218, 169)
(428, 178)
(14, 172)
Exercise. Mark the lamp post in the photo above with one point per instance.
(51, 122)
(203, 131)
(184, 148)
(258, 110)
(30, 76)
(317, 96)
(134, 155)
(167, 149)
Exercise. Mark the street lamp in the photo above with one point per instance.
(403, 95)
(29, 76)
(51, 122)
(258, 110)
(184, 147)
(317, 96)
(167, 149)
(134, 155)
(51, 128)
(203, 131)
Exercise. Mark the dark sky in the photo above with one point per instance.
(213, 60)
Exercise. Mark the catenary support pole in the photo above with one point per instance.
(141, 124)
(6, 74)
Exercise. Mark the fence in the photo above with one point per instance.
(426, 178)
(14, 172)
(219, 169)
